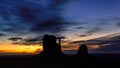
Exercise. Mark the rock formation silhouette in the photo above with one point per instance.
(50, 46)
(82, 51)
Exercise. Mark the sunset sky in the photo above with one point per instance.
(94, 22)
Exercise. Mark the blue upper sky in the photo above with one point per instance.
(92, 8)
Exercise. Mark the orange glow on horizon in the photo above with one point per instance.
(94, 46)
(19, 49)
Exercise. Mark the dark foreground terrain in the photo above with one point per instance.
(93, 61)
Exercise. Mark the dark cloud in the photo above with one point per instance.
(22, 8)
(115, 18)
(102, 24)
(15, 38)
(61, 37)
(77, 42)
(108, 19)
(90, 31)
(14, 28)
(17, 43)
(118, 24)
(23, 16)
(80, 28)
(28, 41)
(93, 30)
(83, 35)
(57, 3)
(13, 21)
(33, 40)
(30, 12)
(52, 25)
(3, 34)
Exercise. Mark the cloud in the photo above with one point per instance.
(118, 24)
(77, 42)
(107, 49)
(12, 21)
(22, 8)
(89, 31)
(107, 21)
(18, 43)
(109, 39)
(106, 44)
(27, 41)
(115, 18)
(37, 40)
(80, 28)
(24, 16)
(32, 41)
(13, 28)
(52, 25)
(15, 38)
(93, 30)
(83, 35)
(102, 23)
(61, 37)
(2, 34)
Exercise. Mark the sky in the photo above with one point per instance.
(23, 23)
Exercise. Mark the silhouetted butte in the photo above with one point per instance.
(82, 51)
(50, 47)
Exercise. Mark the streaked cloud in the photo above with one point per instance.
(107, 43)
(27, 41)
(3, 34)
(118, 24)
(80, 28)
(93, 30)
(15, 38)
(83, 35)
